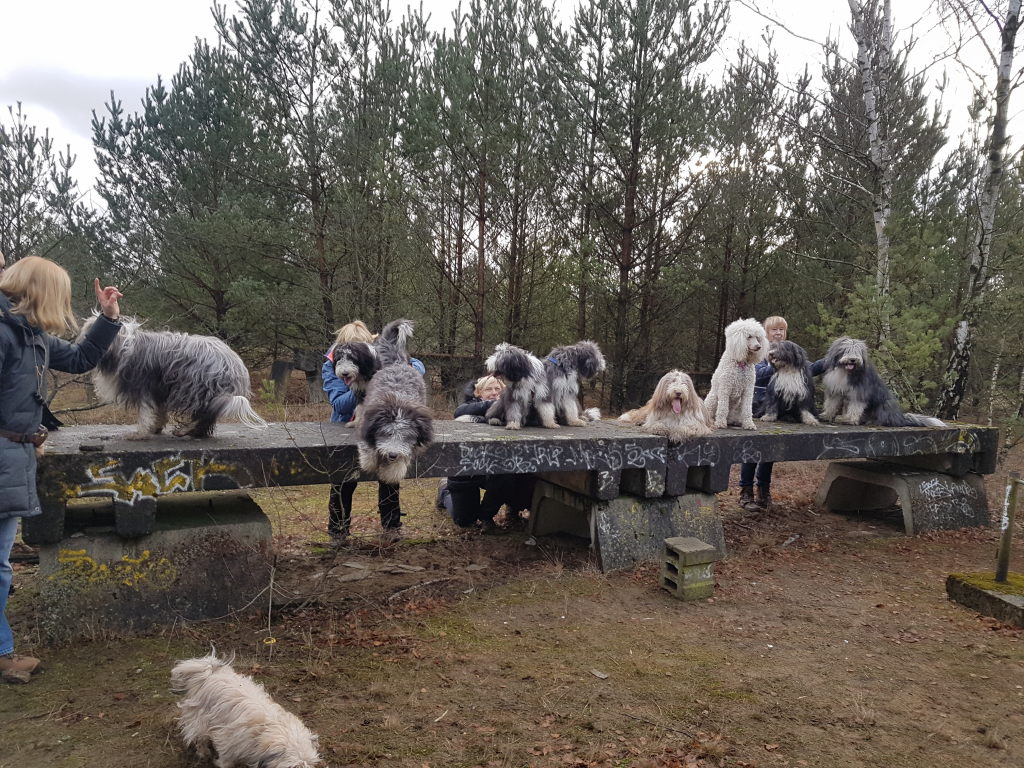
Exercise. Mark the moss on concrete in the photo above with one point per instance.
(1014, 584)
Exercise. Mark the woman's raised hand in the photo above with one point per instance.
(107, 297)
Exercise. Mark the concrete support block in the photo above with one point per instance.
(930, 501)
(626, 530)
(208, 555)
(688, 569)
(600, 484)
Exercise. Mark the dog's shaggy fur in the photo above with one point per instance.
(790, 391)
(197, 379)
(525, 381)
(564, 368)
(395, 425)
(355, 363)
(675, 410)
(229, 719)
(730, 400)
(856, 394)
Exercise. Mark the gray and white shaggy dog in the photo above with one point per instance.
(228, 718)
(564, 368)
(790, 390)
(197, 379)
(731, 398)
(544, 392)
(395, 424)
(356, 362)
(856, 394)
(675, 410)
(525, 381)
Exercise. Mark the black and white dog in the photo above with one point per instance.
(856, 394)
(790, 391)
(525, 382)
(198, 379)
(355, 362)
(395, 425)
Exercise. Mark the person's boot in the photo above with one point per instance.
(16, 666)
(764, 499)
(747, 498)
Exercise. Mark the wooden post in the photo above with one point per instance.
(1009, 508)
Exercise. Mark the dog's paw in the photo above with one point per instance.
(769, 417)
(511, 425)
(496, 422)
(578, 423)
(808, 418)
(721, 424)
(749, 425)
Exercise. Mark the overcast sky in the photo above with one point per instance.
(62, 58)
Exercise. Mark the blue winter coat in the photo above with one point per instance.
(23, 361)
(343, 400)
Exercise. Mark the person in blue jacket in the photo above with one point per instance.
(777, 329)
(343, 404)
(35, 304)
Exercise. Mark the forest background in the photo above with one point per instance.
(537, 177)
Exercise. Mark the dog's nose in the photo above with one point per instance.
(392, 457)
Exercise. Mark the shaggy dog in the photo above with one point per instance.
(524, 376)
(230, 719)
(396, 424)
(198, 379)
(675, 410)
(356, 362)
(856, 394)
(730, 401)
(563, 369)
(790, 391)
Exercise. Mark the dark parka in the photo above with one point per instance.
(24, 353)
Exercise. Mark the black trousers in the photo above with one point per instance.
(340, 507)
(467, 507)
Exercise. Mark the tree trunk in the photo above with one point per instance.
(874, 82)
(976, 275)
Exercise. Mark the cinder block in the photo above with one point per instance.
(688, 572)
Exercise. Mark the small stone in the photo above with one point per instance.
(16, 677)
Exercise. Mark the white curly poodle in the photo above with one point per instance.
(730, 401)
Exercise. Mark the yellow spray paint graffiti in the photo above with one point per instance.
(144, 570)
(171, 474)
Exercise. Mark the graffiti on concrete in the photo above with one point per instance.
(147, 570)
(169, 474)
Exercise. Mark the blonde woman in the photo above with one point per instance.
(343, 405)
(35, 305)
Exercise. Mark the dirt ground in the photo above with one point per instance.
(829, 642)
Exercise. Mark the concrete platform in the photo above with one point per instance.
(930, 501)
(207, 556)
(626, 530)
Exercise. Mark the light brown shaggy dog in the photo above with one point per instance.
(675, 410)
(229, 715)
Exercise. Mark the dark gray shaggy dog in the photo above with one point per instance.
(524, 376)
(197, 379)
(564, 368)
(790, 391)
(856, 394)
(395, 424)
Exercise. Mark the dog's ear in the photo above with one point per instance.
(424, 427)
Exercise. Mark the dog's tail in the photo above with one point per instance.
(591, 414)
(917, 420)
(238, 407)
(398, 332)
